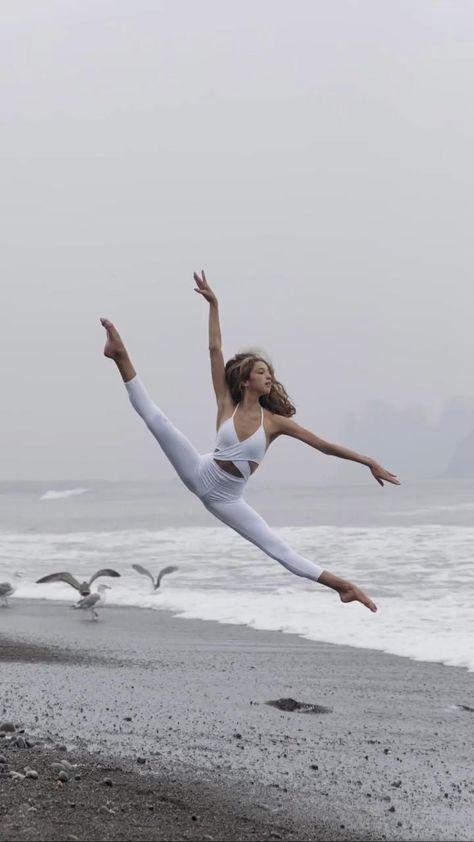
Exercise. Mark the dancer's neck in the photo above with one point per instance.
(250, 401)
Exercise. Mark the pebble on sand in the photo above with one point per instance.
(104, 809)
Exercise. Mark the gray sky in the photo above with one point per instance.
(315, 157)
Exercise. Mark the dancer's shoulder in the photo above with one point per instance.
(277, 425)
(281, 425)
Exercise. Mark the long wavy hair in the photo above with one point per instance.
(237, 371)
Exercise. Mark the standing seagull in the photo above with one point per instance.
(84, 588)
(6, 590)
(93, 601)
(162, 573)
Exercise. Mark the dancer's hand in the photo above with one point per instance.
(203, 288)
(381, 475)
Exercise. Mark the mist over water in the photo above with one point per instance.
(315, 158)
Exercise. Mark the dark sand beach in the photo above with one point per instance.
(166, 730)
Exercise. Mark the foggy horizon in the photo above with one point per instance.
(316, 160)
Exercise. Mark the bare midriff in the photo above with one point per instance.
(230, 468)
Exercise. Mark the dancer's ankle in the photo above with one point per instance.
(335, 582)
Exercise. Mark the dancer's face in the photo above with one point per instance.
(260, 378)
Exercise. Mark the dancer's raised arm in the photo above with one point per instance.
(287, 427)
(215, 340)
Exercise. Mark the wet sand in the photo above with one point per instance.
(173, 712)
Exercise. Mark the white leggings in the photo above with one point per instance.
(220, 492)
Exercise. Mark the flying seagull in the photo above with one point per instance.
(162, 573)
(93, 601)
(84, 588)
(6, 590)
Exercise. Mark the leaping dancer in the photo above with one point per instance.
(253, 409)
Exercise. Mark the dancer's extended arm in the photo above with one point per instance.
(215, 340)
(287, 427)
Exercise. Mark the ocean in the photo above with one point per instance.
(411, 548)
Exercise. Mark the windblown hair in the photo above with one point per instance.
(238, 369)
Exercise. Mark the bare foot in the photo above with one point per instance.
(351, 593)
(346, 590)
(114, 346)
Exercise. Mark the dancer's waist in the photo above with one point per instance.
(217, 483)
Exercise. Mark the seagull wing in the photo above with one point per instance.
(105, 572)
(88, 601)
(164, 572)
(144, 572)
(60, 577)
(5, 589)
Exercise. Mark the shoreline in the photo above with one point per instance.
(391, 760)
(176, 615)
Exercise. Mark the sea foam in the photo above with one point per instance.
(421, 578)
(58, 495)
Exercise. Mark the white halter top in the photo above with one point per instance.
(230, 449)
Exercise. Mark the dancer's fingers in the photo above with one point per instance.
(391, 478)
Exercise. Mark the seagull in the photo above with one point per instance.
(84, 588)
(93, 601)
(6, 590)
(162, 573)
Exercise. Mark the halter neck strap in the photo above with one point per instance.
(261, 412)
